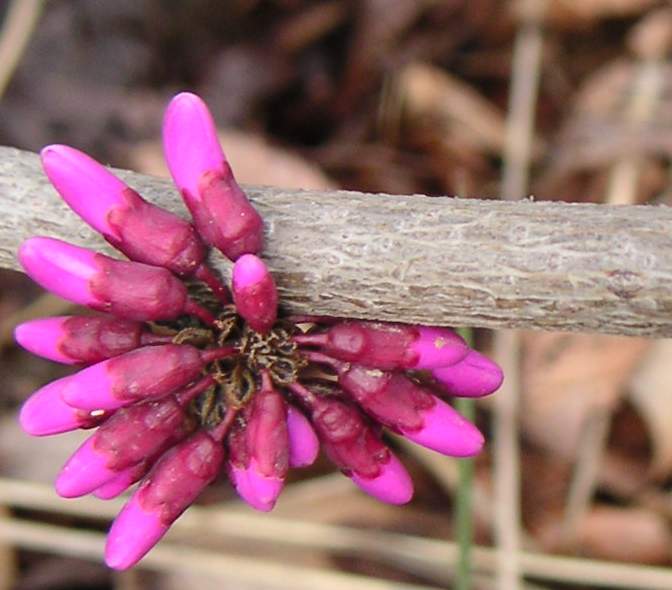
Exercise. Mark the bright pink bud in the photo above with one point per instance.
(475, 376)
(123, 480)
(392, 485)
(438, 347)
(446, 431)
(127, 289)
(146, 373)
(303, 443)
(223, 215)
(144, 232)
(390, 346)
(190, 141)
(134, 532)
(84, 471)
(45, 412)
(61, 268)
(173, 484)
(132, 435)
(397, 402)
(354, 447)
(254, 293)
(259, 491)
(259, 449)
(80, 339)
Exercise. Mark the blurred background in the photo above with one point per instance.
(567, 100)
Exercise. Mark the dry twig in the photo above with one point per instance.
(17, 30)
(554, 266)
(425, 557)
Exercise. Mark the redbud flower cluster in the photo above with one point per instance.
(185, 378)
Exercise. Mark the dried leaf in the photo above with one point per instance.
(634, 535)
(299, 31)
(651, 395)
(581, 13)
(651, 38)
(566, 377)
(604, 126)
(463, 115)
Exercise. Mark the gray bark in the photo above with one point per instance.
(433, 260)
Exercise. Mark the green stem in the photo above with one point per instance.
(463, 509)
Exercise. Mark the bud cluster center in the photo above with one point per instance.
(237, 378)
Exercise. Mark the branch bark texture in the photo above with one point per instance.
(432, 260)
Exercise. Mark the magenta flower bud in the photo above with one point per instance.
(45, 412)
(131, 436)
(392, 485)
(134, 532)
(83, 472)
(174, 483)
(61, 268)
(127, 289)
(303, 443)
(145, 373)
(438, 347)
(81, 339)
(190, 141)
(389, 346)
(446, 431)
(259, 491)
(400, 404)
(222, 214)
(355, 448)
(144, 232)
(259, 449)
(123, 480)
(475, 376)
(254, 293)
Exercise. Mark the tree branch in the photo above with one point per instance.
(449, 261)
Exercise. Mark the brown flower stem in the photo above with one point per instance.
(305, 395)
(200, 312)
(220, 431)
(207, 275)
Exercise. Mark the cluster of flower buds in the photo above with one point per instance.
(186, 380)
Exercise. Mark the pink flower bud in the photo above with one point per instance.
(402, 405)
(438, 347)
(80, 339)
(446, 431)
(390, 346)
(84, 471)
(254, 293)
(354, 447)
(475, 376)
(145, 373)
(222, 214)
(45, 412)
(173, 484)
(303, 443)
(259, 491)
(123, 480)
(134, 532)
(127, 289)
(392, 484)
(259, 449)
(132, 435)
(190, 141)
(144, 232)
